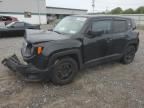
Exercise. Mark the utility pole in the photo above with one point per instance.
(106, 11)
(93, 5)
(1, 1)
(38, 7)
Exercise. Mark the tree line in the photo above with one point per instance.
(118, 10)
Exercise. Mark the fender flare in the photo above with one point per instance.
(57, 55)
(135, 43)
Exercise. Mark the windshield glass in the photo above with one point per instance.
(10, 24)
(70, 25)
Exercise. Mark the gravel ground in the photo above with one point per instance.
(111, 85)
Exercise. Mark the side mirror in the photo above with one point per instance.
(90, 34)
(93, 34)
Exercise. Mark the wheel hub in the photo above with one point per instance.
(64, 71)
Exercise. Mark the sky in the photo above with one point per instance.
(100, 5)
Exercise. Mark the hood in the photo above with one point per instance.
(35, 36)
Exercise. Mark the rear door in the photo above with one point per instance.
(119, 36)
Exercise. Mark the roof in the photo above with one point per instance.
(66, 8)
(101, 16)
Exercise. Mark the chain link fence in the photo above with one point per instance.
(139, 18)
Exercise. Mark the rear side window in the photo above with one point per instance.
(119, 26)
(102, 26)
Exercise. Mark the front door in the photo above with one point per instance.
(97, 46)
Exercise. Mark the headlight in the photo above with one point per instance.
(28, 49)
(25, 43)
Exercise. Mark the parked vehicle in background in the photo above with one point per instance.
(16, 29)
(22, 25)
(76, 42)
(7, 19)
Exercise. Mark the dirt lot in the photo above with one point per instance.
(110, 85)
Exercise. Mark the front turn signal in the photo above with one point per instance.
(39, 50)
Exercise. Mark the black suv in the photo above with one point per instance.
(76, 42)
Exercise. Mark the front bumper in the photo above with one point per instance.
(29, 72)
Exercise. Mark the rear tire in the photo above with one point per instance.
(129, 55)
(64, 71)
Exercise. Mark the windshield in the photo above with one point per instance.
(70, 25)
(10, 24)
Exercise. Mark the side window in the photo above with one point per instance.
(103, 26)
(27, 25)
(19, 24)
(119, 26)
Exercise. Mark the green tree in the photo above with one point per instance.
(140, 10)
(117, 10)
(128, 11)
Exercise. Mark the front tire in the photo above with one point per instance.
(64, 71)
(129, 55)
